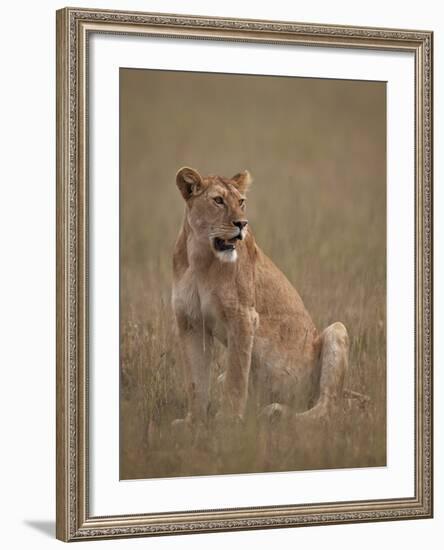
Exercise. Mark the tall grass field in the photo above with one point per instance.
(317, 152)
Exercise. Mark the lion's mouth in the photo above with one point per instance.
(222, 245)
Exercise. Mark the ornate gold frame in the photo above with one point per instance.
(73, 519)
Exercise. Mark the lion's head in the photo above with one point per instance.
(216, 209)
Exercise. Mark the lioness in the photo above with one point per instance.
(225, 287)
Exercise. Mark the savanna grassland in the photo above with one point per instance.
(317, 207)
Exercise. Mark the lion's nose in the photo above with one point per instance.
(240, 223)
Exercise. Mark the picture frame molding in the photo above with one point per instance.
(73, 520)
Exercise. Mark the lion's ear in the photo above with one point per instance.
(189, 182)
(243, 180)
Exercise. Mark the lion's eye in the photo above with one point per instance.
(218, 200)
(242, 202)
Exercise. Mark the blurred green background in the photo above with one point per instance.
(316, 149)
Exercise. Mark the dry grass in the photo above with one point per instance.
(317, 208)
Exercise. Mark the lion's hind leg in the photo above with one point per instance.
(283, 428)
(333, 368)
(334, 361)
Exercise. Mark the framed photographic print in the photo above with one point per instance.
(244, 274)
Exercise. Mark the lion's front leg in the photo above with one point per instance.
(241, 329)
(196, 344)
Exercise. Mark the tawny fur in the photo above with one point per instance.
(241, 298)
